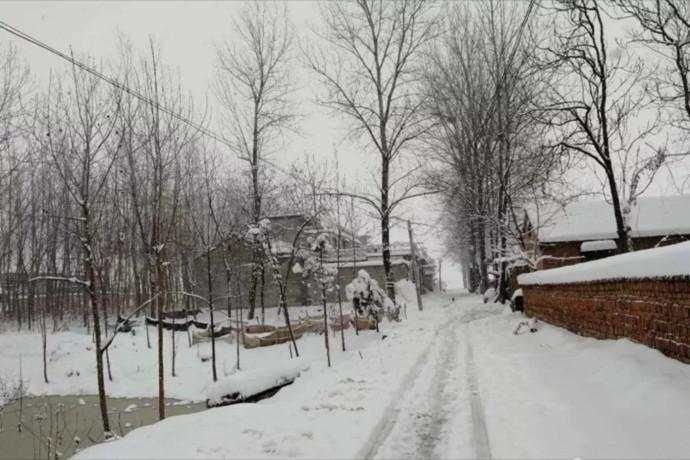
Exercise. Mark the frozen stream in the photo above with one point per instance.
(53, 423)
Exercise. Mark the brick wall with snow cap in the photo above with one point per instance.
(643, 296)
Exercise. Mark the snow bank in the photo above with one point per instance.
(248, 383)
(554, 394)
(405, 290)
(664, 262)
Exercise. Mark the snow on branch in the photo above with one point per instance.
(124, 321)
(71, 279)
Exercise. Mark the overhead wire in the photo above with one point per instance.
(121, 86)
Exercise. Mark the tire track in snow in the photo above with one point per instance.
(429, 426)
(480, 434)
(390, 415)
(430, 430)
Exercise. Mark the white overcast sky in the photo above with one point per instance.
(187, 32)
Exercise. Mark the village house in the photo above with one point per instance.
(586, 230)
(231, 264)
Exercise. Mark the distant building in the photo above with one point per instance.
(586, 230)
(231, 263)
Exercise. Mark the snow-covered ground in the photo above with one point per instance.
(451, 381)
(72, 369)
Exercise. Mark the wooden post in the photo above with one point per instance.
(440, 282)
(417, 283)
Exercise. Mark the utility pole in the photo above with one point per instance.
(440, 283)
(415, 267)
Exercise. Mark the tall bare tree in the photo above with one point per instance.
(485, 144)
(154, 142)
(597, 98)
(78, 130)
(254, 84)
(369, 66)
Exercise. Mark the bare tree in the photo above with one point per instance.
(482, 86)
(154, 142)
(14, 80)
(596, 97)
(370, 73)
(79, 133)
(666, 27)
(254, 84)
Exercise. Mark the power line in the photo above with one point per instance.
(201, 129)
(121, 86)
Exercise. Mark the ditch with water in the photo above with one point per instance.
(49, 427)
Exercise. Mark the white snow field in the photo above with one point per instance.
(451, 381)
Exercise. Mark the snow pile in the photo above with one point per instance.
(406, 292)
(664, 262)
(244, 384)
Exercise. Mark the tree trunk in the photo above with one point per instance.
(210, 306)
(158, 288)
(385, 231)
(621, 229)
(325, 312)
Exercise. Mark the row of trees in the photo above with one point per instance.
(114, 196)
(536, 104)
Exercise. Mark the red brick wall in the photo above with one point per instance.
(655, 313)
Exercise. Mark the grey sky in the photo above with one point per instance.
(187, 32)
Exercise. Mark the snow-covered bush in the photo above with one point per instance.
(367, 296)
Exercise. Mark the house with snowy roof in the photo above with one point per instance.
(231, 261)
(586, 230)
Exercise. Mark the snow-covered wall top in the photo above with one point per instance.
(664, 262)
(594, 220)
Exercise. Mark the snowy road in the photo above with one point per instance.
(452, 381)
(439, 399)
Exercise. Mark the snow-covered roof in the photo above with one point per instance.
(594, 220)
(598, 245)
(663, 262)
